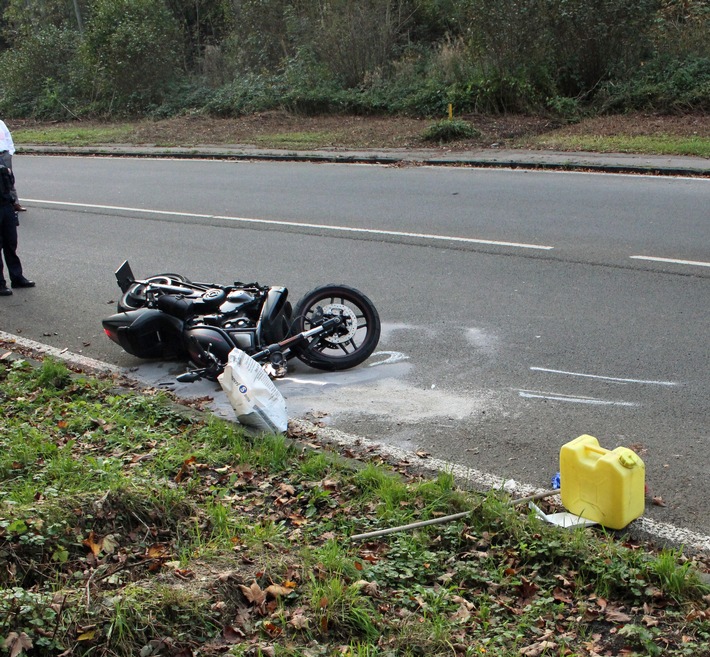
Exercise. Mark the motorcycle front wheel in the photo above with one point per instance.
(352, 342)
(135, 298)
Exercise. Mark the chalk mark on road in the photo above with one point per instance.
(551, 396)
(613, 379)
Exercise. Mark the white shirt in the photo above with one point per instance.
(6, 143)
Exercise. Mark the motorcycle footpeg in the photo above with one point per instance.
(190, 377)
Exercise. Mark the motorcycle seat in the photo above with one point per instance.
(186, 307)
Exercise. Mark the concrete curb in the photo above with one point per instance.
(484, 158)
(642, 529)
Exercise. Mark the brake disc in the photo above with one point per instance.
(349, 323)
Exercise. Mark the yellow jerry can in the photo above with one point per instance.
(601, 485)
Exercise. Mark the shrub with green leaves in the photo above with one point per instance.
(450, 130)
(131, 52)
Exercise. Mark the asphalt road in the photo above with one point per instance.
(520, 309)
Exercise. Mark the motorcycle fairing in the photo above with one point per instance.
(217, 341)
(273, 323)
(146, 333)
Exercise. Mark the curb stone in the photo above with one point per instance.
(667, 165)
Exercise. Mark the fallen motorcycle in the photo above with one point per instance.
(167, 316)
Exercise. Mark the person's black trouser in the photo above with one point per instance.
(8, 244)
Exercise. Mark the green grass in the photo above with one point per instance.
(658, 145)
(75, 136)
(302, 140)
(129, 525)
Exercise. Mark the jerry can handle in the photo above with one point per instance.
(597, 450)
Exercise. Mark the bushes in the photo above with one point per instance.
(39, 76)
(130, 51)
(365, 56)
(665, 84)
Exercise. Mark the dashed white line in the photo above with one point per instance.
(605, 378)
(298, 224)
(693, 263)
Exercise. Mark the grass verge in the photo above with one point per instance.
(131, 527)
(75, 136)
(645, 145)
(627, 134)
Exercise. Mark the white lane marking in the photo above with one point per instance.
(298, 224)
(694, 263)
(392, 357)
(531, 394)
(605, 378)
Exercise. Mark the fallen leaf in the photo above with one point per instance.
(109, 544)
(272, 629)
(299, 621)
(86, 636)
(232, 634)
(616, 616)
(17, 643)
(276, 591)
(93, 543)
(253, 594)
(536, 649)
(158, 551)
(527, 591)
(560, 595)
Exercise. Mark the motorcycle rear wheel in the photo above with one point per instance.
(135, 298)
(355, 339)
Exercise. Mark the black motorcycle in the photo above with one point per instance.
(167, 316)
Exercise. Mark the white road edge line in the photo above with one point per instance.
(482, 481)
(605, 378)
(529, 394)
(694, 263)
(298, 224)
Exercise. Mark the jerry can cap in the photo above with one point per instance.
(628, 459)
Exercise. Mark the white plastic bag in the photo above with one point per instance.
(252, 394)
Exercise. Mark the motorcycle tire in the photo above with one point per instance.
(134, 297)
(355, 340)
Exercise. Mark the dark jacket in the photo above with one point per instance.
(7, 183)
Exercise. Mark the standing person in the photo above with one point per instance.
(7, 150)
(8, 235)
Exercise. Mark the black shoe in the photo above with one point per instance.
(5, 292)
(23, 282)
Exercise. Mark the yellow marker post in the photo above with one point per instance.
(451, 111)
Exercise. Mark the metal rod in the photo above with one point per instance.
(444, 519)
